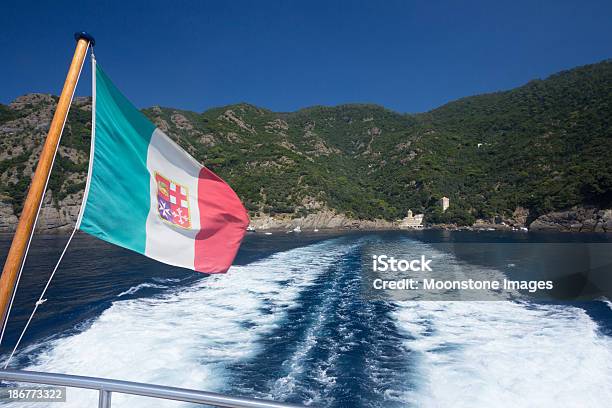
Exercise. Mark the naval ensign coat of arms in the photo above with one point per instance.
(172, 202)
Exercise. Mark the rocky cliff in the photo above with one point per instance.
(578, 219)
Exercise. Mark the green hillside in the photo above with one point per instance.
(544, 146)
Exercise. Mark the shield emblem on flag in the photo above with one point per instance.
(172, 202)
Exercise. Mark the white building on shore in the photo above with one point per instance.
(412, 221)
(444, 203)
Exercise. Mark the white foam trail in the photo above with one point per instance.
(506, 354)
(188, 337)
(136, 288)
(297, 363)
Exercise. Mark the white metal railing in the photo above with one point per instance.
(107, 386)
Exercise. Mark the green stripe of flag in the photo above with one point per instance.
(119, 186)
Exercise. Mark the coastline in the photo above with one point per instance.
(65, 230)
(577, 219)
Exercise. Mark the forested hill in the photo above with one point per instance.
(544, 146)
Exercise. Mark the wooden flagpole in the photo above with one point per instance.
(33, 200)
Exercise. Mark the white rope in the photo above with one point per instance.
(42, 199)
(40, 300)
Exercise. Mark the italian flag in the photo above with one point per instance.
(147, 194)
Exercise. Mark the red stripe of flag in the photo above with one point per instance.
(223, 223)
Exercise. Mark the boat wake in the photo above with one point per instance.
(473, 354)
(336, 348)
(505, 353)
(300, 326)
(188, 337)
(137, 288)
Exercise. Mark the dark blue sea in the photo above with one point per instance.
(292, 322)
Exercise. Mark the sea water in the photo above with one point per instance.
(291, 321)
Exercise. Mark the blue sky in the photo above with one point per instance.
(410, 56)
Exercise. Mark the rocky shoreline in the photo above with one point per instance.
(577, 219)
(55, 219)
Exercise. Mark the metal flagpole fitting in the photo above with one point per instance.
(31, 206)
(85, 36)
